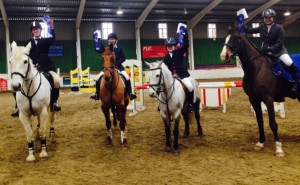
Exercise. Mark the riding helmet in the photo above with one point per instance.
(112, 36)
(170, 41)
(268, 13)
(35, 24)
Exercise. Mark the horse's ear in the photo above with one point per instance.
(148, 64)
(27, 48)
(159, 63)
(13, 44)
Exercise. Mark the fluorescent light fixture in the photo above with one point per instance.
(287, 13)
(120, 11)
(185, 11)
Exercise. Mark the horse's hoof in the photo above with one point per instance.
(176, 151)
(186, 134)
(109, 140)
(124, 144)
(30, 158)
(43, 154)
(168, 149)
(280, 154)
(259, 146)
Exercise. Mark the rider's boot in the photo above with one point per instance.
(190, 101)
(132, 96)
(293, 71)
(96, 95)
(54, 106)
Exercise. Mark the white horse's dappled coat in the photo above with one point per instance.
(32, 95)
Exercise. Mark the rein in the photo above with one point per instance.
(160, 83)
(26, 78)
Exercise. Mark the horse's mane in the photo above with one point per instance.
(248, 39)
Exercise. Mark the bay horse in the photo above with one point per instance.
(259, 82)
(113, 94)
(32, 96)
(172, 102)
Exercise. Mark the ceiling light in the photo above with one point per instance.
(48, 9)
(287, 13)
(120, 11)
(185, 11)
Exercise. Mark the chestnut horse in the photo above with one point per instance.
(259, 82)
(113, 95)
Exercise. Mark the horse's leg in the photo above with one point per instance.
(259, 118)
(52, 132)
(176, 134)
(42, 132)
(26, 121)
(197, 117)
(114, 111)
(122, 115)
(185, 115)
(167, 134)
(105, 111)
(274, 128)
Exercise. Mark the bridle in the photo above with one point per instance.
(236, 49)
(111, 69)
(161, 86)
(27, 78)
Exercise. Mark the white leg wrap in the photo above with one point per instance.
(30, 156)
(110, 133)
(43, 153)
(260, 144)
(278, 147)
(123, 136)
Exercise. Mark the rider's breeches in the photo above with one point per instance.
(286, 59)
(187, 82)
(125, 74)
(99, 75)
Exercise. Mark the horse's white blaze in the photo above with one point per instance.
(224, 50)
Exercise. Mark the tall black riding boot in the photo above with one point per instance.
(96, 95)
(190, 101)
(54, 106)
(293, 71)
(132, 96)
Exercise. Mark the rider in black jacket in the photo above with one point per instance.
(39, 55)
(272, 36)
(174, 61)
(120, 58)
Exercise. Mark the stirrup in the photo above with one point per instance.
(56, 107)
(15, 113)
(132, 96)
(94, 96)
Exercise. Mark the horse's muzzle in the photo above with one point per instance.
(152, 94)
(16, 87)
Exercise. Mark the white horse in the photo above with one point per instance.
(33, 97)
(172, 101)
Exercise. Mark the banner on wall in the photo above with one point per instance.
(154, 51)
(56, 50)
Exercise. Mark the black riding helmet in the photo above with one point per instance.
(170, 41)
(35, 24)
(112, 36)
(268, 13)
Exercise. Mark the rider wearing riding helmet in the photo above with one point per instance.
(39, 55)
(272, 36)
(174, 61)
(120, 58)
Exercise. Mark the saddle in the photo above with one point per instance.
(182, 84)
(49, 77)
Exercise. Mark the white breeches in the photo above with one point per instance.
(286, 59)
(187, 82)
(101, 74)
(55, 79)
